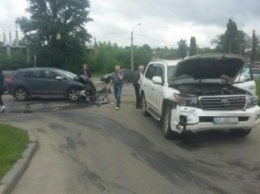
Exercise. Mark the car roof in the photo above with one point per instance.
(39, 68)
(167, 62)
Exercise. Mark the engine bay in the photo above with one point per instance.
(209, 90)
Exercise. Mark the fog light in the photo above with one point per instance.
(183, 119)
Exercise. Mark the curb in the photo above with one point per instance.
(10, 180)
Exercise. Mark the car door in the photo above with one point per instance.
(156, 89)
(149, 85)
(34, 81)
(248, 83)
(55, 84)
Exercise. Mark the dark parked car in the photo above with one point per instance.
(43, 82)
(128, 76)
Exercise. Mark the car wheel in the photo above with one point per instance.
(144, 106)
(240, 132)
(73, 94)
(21, 94)
(166, 123)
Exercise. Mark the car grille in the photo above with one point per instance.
(223, 103)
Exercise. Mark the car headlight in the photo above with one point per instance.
(186, 100)
(252, 101)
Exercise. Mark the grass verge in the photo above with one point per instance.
(13, 142)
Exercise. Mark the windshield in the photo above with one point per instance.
(67, 73)
(171, 71)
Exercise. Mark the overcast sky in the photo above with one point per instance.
(163, 22)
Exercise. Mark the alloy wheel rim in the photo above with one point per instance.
(73, 95)
(20, 94)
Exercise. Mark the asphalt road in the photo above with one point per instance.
(100, 150)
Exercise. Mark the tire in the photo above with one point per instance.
(21, 94)
(166, 123)
(240, 132)
(73, 94)
(144, 106)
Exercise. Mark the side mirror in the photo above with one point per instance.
(157, 80)
(59, 78)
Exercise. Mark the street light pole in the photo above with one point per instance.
(132, 46)
(132, 50)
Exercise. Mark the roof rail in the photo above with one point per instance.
(158, 59)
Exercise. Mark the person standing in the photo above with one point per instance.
(85, 71)
(2, 90)
(136, 83)
(117, 82)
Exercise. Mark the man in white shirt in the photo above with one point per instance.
(136, 83)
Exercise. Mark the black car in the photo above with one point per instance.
(43, 82)
(128, 76)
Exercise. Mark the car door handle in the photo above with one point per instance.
(144, 84)
(152, 88)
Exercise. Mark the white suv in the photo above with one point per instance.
(204, 92)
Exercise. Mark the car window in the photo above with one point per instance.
(171, 71)
(50, 74)
(160, 72)
(151, 71)
(32, 74)
(246, 72)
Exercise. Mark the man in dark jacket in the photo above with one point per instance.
(85, 71)
(136, 82)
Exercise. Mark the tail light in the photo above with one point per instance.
(10, 79)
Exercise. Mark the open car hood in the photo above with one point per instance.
(211, 66)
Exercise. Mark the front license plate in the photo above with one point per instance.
(225, 120)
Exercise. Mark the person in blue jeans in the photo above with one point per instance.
(117, 82)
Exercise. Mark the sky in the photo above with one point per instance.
(163, 22)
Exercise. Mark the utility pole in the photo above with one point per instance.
(132, 50)
(132, 46)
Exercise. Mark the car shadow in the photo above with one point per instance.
(194, 141)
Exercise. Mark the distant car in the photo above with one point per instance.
(43, 82)
(128, 76)
(256, 73)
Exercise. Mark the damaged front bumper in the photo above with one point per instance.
(195, 119)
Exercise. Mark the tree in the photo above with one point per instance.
(55, 31)
(232, 41)
(193, 46)
(254, 47)
(182, 49)
(231, 36)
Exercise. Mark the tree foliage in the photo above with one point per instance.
(232, 41)
(55, 31)
(107, 55)
(182, 49)
(193, 46)
(254, 47)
